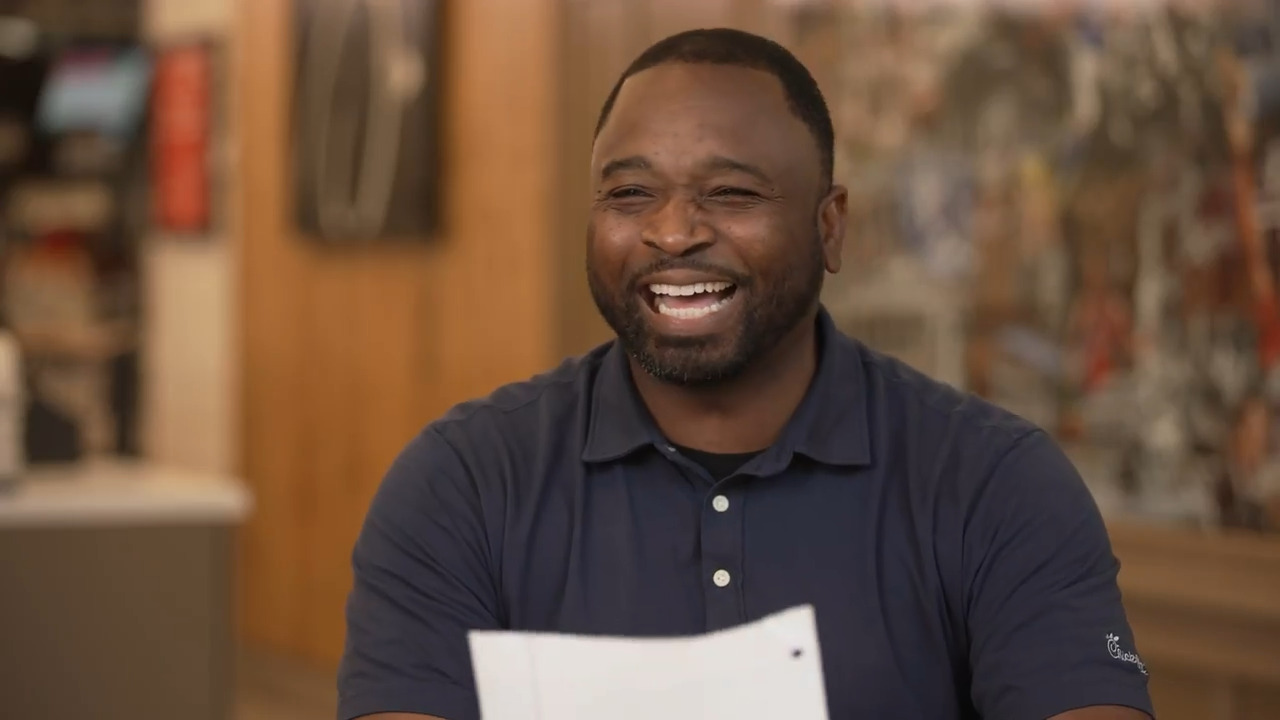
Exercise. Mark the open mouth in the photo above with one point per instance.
(690, 302)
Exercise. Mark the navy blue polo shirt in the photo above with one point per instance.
(957, 564)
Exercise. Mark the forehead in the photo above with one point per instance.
(682, 112)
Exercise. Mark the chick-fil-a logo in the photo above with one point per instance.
(1114, 650)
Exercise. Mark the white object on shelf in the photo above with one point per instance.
(122, 492)
(770, 668)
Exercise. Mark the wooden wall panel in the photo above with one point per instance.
(347, 353)
(601, 39)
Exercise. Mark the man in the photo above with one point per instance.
(731, 454)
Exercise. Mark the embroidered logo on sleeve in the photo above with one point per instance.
(1115, 651)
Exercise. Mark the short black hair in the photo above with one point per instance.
(724, 46)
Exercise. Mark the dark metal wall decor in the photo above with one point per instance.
(366, 119)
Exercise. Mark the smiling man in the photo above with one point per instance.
(732, 454)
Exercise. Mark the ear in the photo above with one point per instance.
(832, 218)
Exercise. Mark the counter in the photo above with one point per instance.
(1205, 608)
(121, 492)
(117, 598)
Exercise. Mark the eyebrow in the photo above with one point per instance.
(613, 167)
(713, 164)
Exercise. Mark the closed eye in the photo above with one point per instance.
(628, 192)
(733, 192)
(734, 198)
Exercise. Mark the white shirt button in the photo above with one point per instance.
(720, 503)
(721, 578)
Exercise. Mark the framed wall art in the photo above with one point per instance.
(182, 116)
(366, 119)
(1073, 212)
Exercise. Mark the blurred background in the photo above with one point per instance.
(248, 248)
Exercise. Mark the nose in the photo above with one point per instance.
(677, 228)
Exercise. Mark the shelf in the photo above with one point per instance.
(97, 343)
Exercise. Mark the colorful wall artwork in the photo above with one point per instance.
(1075, 213)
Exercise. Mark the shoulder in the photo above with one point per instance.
(991, 470)
(460, 464)
(961, 452)
(519, 417)
(920, 411)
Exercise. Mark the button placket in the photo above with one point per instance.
(722, 561)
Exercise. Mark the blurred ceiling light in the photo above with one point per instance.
(19, 38)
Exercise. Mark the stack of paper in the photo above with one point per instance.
(765, 670)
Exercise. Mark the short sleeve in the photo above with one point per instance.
(1047, 629)
(422, 580)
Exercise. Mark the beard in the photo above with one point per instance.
(775, 304)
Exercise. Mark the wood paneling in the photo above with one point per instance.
(601, 39)
(348, 353)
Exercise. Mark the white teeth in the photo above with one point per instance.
(691, 313)
(695, 289)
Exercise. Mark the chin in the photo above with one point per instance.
(691, 367)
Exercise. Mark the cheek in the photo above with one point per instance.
(746, 230)
(769, 249)
(609, 243)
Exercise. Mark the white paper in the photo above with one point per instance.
(765, 670)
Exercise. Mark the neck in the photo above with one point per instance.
(743, 415)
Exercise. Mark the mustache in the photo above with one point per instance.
(691, 264)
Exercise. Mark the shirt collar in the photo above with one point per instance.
(830, 425)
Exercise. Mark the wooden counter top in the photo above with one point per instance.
(1209, 571)
(1205, 607)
